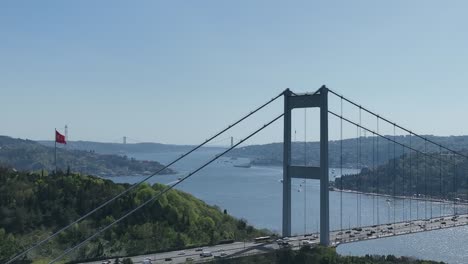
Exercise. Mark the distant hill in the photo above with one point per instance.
(31, 156)
(272, 154)
(119, 148)
(416, 174)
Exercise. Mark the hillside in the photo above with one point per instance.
(414, 174)
(272, 154)
(29, 155)
(32, 206)
(119, 148)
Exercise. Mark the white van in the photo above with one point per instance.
(205, 254)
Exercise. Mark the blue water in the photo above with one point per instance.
(255, 194)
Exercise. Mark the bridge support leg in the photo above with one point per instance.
(324, 192)
(286, 163)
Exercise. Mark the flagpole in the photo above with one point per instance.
(55, 151)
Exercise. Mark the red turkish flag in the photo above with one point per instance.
(59, 138)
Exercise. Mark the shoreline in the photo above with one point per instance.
(429, 199)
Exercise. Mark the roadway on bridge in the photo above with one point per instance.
(336, 237)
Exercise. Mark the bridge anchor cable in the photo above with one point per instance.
(38, 244)
(162, 192)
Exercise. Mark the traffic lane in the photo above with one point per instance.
(230, 250)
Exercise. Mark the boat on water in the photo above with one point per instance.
(243, 165)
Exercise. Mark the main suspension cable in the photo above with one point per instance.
(378, 134)
(398, 126)
(390, 140)
(36, 245)
(163, 191)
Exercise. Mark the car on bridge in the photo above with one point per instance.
(206, 254)
(222, 255)
(307, 243)
(284, 244)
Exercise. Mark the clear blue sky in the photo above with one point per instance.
(177, 71)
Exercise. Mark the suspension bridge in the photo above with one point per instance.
(392, 171)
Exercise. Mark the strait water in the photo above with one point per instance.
(255, 194)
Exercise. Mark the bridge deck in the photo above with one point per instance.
(395, 229)
(238, 249)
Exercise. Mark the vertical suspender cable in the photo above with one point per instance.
(417, 185)
(305, 164)
(341, 167)
(378, 174)
(425, 179)
(387, 176)
(431, 189)
(410, 180)
(373, 179)
(454, 196)
(440, 180)
(403, 170)
(358, 176)
(394, 176)
(360, 168)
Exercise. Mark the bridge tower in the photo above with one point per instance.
(292, 101)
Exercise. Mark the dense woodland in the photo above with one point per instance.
(32, 206)
(434, 175)
(356, 152)
(29, 155)
(319, 255)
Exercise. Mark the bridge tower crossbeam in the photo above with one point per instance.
(316, 100)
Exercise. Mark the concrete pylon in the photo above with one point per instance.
(291, 101)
